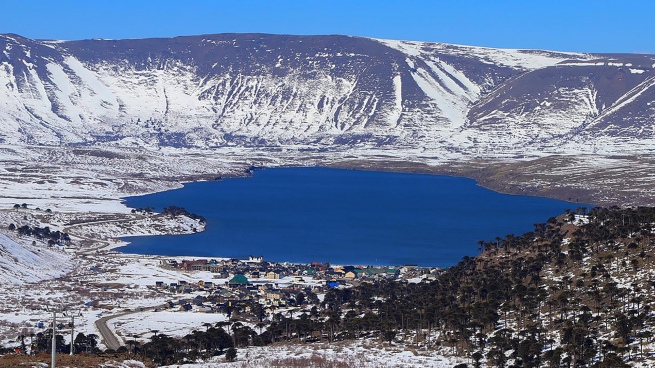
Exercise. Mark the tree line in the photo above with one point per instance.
(54, 237)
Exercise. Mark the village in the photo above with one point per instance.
(120, 295)
(255, 288)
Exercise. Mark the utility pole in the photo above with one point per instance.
(53, 352)
(54, 339)
(72, 326)
(72, 330)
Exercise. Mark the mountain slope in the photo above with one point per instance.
(263, 90)
(21, 263)
(215, 104)
(567, 99)
(573, 292)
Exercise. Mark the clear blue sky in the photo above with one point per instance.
(571, 25)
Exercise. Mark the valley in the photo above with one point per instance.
(86, 123)
(125, 117)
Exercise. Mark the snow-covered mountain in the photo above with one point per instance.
(322, 91)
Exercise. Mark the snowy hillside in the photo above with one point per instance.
(86, 122)
(268, 90)
(21, 263)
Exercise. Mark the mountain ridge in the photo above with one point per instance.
(258, 89)
(216, 104)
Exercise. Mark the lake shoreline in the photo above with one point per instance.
(309, 238)
(487, 173)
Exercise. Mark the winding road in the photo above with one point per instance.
(103, 243)
(108, 337)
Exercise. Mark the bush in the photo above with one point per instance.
(231, 355)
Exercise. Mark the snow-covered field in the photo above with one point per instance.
(362, 353)
(171, 323)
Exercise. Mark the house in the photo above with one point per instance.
(204, 310)
(331, 274)
(409, 267)
(198, 300)
(273, 295)
(221, 275)
(159, 284)
(265, 287)
(392, 273)
(238, 280)
(169, 263)
(216, 268)
(375, 271)
(252, 259)
(196, 265)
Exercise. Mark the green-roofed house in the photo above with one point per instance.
(375, 271)
(238, 280)
(392, 272)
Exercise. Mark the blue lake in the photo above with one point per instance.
(343, 217)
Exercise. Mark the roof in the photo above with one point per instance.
(239, 279)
